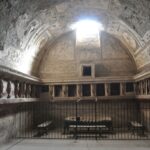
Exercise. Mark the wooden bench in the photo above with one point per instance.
(98, 129)
(44, 127)
(136, 127)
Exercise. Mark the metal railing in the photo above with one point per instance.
(84, 119)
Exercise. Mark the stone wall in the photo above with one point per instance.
(13, 121)
(64, 60)
(145, 114)
(24, 32)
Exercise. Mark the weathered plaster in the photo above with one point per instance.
(24, 25)
(64, 60)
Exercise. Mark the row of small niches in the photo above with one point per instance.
(85, 89)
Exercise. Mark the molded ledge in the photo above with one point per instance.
(10, 72)
(113, 98)
(145, 97)
(142, 76)
(18, 100)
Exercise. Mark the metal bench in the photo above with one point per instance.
(136, 127)
(87, 120)
(96, 129)
(44, 127)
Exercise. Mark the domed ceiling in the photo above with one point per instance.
(29, 27)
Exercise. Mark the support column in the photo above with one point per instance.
(148, 86)
(51, 91)
(26, 90)
(79, 90)
(8, 89)
(37, 91)
(64, 91)
(136, 88)
(53, 94)
(1, 88)
(146, 90)
(93, 93)
(141, 90)
(23, 89)
(107, 89)
(29, 90)
(122, 89)
(20, 90)
(33, 91)
(145, 87)
(16, 89)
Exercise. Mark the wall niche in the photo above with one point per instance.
(44, 88)
(72, 90)
(86, 90)
(129, 87)
(58, 90)
(100, 89)
(114, 89)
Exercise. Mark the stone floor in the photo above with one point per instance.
(58, 134)
(32, 144)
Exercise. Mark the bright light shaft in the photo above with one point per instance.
(87, 29)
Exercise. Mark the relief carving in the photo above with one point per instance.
(135, 15)
(13, 55)
(113, 27)
(129, 40)
(31, 27)
(147, 36)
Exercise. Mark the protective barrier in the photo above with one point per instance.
(85, 119)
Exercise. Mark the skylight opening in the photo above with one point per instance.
(87, 29)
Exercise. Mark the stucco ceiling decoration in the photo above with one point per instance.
(46, 22)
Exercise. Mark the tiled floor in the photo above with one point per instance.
(30, 144)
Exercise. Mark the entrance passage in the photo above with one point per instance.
(85, 119)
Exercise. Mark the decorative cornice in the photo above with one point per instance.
(11, 72)
(142, 76)
(18, 100)
(90, 80)
(5, 71)
(114, 98)
(143, 97)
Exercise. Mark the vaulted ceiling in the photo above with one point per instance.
(29, 27)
